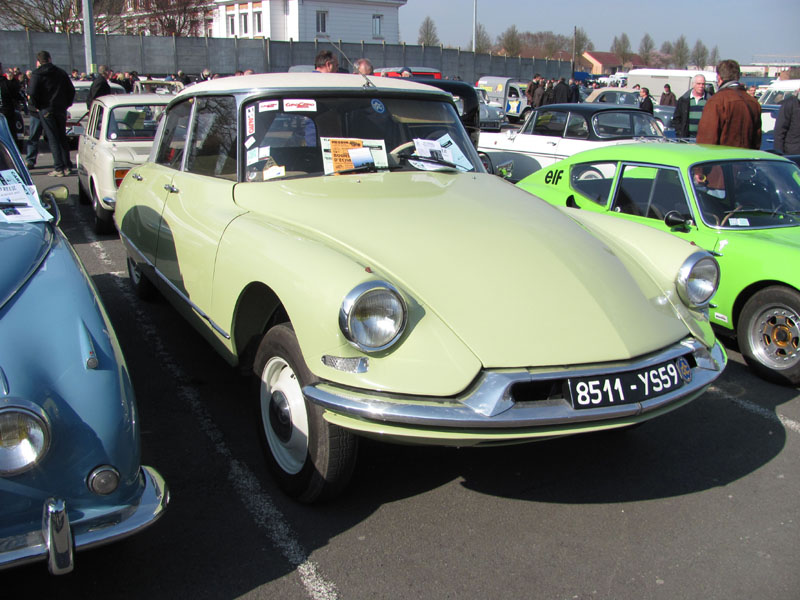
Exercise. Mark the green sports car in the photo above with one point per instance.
(741, 205)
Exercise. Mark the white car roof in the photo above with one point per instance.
(113, 100)
(88, 83)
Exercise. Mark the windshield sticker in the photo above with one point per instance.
(378, 106)
(249, 142)
(273, 172)
(263, 152)
(456, 155)
(338, 153)
(19, 202)
(300, 105)
(250, 120)
(443, 149)
(269, 105)
(739, 222)
(252, 156)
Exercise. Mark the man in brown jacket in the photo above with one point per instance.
(731, 117)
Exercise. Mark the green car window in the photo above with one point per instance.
(650, 192)
(593, 180)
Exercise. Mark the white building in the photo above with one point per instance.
(371, 21)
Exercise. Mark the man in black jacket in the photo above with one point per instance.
(99, 86)
(10, 98)
(787, 126)
(690, 108)
(51, 92)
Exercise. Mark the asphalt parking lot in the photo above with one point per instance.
(703, 502)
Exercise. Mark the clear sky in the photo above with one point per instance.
(744, 30)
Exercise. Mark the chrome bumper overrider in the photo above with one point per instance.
(490, 403)
(57, 539)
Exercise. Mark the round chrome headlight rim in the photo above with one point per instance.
(698, 280)
(39, 424)
(351, 303)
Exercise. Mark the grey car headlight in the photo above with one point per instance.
(698, 279)
(24, 439)
(373, 316)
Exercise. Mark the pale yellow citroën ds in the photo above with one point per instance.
(338, 236)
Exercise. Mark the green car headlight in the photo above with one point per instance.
(698, 279)
(23, 440)
(373, 316)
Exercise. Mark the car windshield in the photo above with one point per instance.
(776, 96)
(134, 123)
(304, 136)
(625, 124)
(82, 92)
(747, 194)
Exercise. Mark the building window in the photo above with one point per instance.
(243, 23)
(377, 26)
(322, 21)
(231, 25)
(256, 22)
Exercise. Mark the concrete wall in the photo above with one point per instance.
(161, 55)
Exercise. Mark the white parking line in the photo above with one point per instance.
(243, 480)
(754, 408)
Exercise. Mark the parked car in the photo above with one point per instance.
(70, 477)
(426, 72)
(629, 97)
(740, 205)
(157, 86)
(509, 94)
(555, 131)
(345, 245)
(78, 111)
(492, 116)
(119, 135)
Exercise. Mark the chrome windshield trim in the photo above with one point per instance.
(488, 404)
(178, 292)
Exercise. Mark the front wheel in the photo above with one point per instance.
(769, 334)
(311, 459)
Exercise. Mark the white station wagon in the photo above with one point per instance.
(119, 136)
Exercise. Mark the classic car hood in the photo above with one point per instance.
(785, 236)
(516, 279)
(23, 246)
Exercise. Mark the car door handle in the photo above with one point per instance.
(552, 143)
(137, 177)
(171, 188)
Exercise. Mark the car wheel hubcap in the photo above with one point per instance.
(284, 416)
(775, 337)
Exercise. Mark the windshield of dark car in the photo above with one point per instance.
(747, 194)
(625, 124)
(306, 135)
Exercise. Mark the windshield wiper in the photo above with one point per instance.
(430, 159)
(368, 168)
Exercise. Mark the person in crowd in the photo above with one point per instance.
(100, 86)
(248, 72)
(645, 101)
(531, 88)
(689, 109)
(75, 76)
(574, 91)
(668, 98)
(326, 62)
(538, 93)
(34, 134)
(752, 90)
(364, 67)
(406, 72)
(186, 80)
(549, 93)
(205, 75)
(51, 92)
(10, 99)
(561, 92)
(787, 126)
(731, 117)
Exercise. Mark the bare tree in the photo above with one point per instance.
(699, 56)
(714, 58)
(680, 52)
(427, 33)
(510, 41)
(621, 46)
(483, 43)
(659, 60)
(646, 48)
(582, 42)
(176, 17)
(41, 15)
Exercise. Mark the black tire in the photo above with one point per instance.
(142, 286)
(103, 219)
(768, 333)
(83, 197)
(311, 459)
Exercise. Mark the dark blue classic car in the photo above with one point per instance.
(70, 476)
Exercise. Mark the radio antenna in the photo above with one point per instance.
(367, 83)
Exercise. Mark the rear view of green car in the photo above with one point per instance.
(743, 206)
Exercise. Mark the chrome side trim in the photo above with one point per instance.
(48, 543)
(142, 258)
(488, 403)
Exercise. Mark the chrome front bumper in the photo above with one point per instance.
(58, 539)
(490, 404)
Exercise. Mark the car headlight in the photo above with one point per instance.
(373, 316)
(23, 440)
(698, 279)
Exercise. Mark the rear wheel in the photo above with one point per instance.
(311, 459)
(768, 333)
(142, 286)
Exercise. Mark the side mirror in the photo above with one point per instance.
(571, 202)
(49, 199)
(675, 219)
(505, 169)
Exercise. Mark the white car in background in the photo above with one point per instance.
(119, 135)
(77, 113)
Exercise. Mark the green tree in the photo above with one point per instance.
(699, 56)
(621, 46)
(646, 48)
(680, 52)
(427, 33)
(510, 41)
